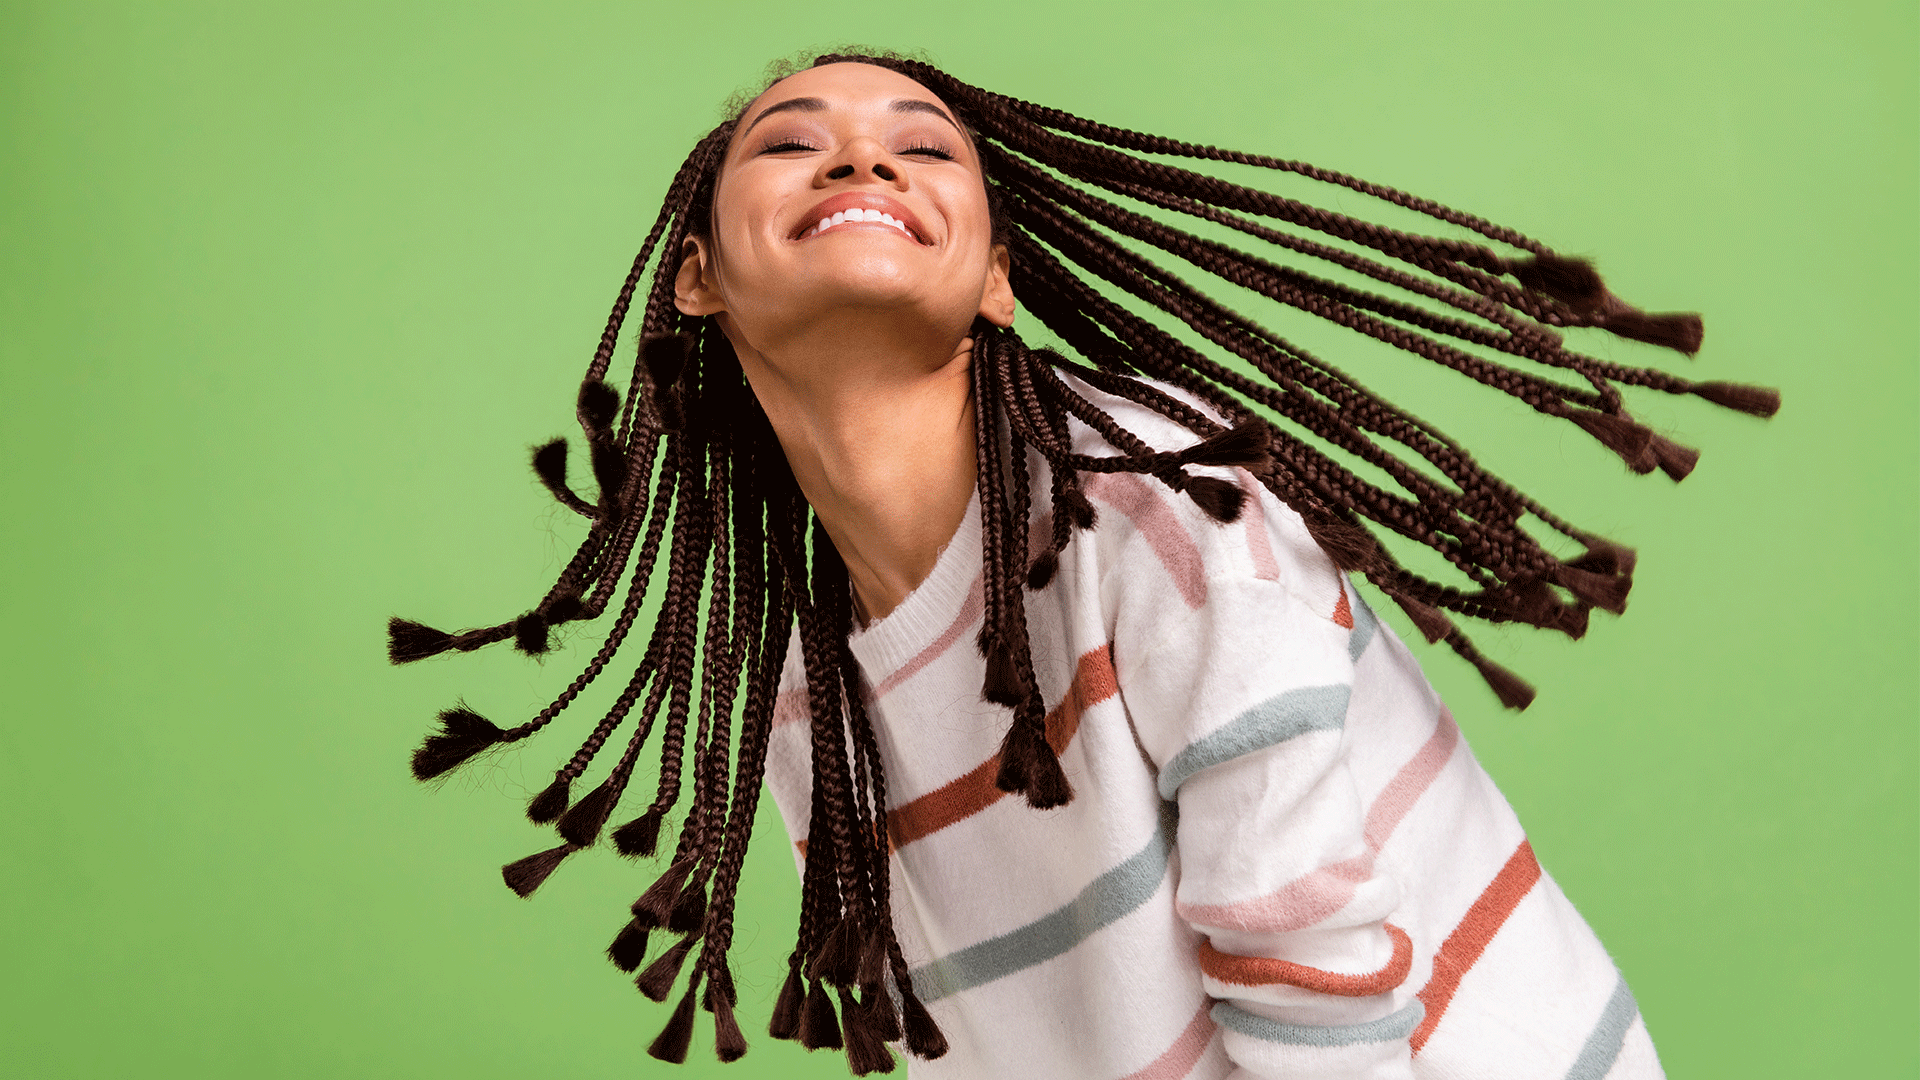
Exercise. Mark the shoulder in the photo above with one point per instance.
(1148, 531)
(1147, 424)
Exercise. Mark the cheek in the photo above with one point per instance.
(973, 219)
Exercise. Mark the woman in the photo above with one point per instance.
(1251, 842)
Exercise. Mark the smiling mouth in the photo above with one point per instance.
(857, 216)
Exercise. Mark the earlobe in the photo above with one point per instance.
(693, 291)
(996, 300)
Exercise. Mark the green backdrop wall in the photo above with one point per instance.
(287, 290)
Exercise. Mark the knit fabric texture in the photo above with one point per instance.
(1281, 860)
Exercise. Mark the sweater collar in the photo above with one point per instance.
(929, 610)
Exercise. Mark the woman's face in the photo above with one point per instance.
(849, 192)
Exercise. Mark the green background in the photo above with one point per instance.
(287, 291)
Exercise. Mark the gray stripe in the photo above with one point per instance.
(1105, 900)
(1603, 1046)
(1390, 1028)
(1363, 626)
(1270, 723)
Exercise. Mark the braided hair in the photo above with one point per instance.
(687, 461)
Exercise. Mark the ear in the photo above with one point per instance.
(693, 287)
(996, 300)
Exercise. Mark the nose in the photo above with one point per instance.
(858, 159)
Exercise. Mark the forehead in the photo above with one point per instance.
(843, 85)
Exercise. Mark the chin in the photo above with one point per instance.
(872, 283)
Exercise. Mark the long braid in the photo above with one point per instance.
(688, 462)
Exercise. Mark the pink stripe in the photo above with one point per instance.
(1180, 1058)
(790, 707)
(1254, 516)
(1136, 498)
(969, 611)
(1414, 778)
(1039, 532)
(1315, 895)
(1300, 903)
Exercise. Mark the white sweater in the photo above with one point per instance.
(1281, 859)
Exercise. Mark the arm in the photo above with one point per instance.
(1238, 689)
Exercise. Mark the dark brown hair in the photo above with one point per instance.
(686, 460)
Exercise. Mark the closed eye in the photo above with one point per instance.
(786, 146)
(928, 150)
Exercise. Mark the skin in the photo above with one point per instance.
(855, 339)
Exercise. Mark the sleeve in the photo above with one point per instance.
(1237, 684)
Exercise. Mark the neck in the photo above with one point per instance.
(882, 445)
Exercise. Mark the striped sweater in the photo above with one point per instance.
(1281, 859)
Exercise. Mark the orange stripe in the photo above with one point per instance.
(1343, 612)
(965, 796)
(1470, 938)
(1266, 971)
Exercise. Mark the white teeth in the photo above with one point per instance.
(860, 216)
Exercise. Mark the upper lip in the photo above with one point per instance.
(863, 200)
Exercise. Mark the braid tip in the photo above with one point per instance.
(729, 1042)
(530, 633)
(1433, 624)
(1681, 332)
(837, 960)
(582, 823)
(547, 806)
(1605, 591)
(596, 405)
(550, 463)
(923, 1037)
(1247, 445)
(1619, 434)
(408, 641)
(1761, 401)
(1573, 282)
(657, 981)
(463, 735)
(528, 874)
(866, 1053)
(819, 1027)
(785, 1023)
(1080, 510)
(1030, 766)
(1040, 574)
(629, 946)
(639, 838)
(655, 906)
(690, 910)
(1003, 685)
(674, 1039)
(1675, 460)
(1221, 499)
(1605, 557)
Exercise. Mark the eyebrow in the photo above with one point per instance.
(814, 104)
